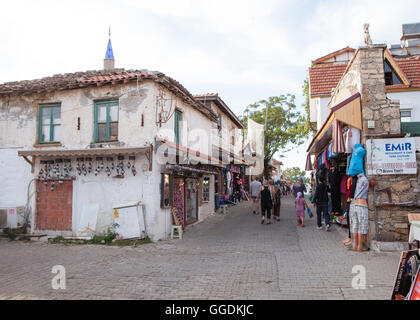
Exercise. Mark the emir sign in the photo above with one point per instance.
(391, 156)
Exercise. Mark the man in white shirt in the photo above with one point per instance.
(255, 189)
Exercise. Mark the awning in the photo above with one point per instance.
(67, 153)
(348, 112)
(82, 152)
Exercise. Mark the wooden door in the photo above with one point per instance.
(54, 208)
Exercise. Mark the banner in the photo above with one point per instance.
(255, 143)
(391, 156)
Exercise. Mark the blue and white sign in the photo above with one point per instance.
(391, 156)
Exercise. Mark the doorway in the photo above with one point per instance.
(190, 200)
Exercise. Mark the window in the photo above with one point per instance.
(106, 121)
(49, 123)
(391, 77)
(166, 195)
(206, 189)
(178, 119)
(405, 115)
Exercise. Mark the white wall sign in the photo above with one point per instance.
(391, 156)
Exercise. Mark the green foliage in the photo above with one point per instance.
(285, 124)
(292, 174)
(11, 235)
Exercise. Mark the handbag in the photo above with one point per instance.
(310, 214)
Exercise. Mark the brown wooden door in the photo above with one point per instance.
(54, 208)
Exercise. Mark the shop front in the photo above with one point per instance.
(333, 148)
(189, 190)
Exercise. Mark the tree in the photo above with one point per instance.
(293, 173)
(285, 125)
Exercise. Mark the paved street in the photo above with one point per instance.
(225, 257)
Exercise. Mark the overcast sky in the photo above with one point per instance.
(244, 50)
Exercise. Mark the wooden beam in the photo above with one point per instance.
(32, 163)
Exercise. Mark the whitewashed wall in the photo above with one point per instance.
(408, 100)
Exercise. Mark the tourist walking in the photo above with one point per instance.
(266, 202)
(277, 202)
(321, 201)
(255, 189)
(299, 186)
(300, 206)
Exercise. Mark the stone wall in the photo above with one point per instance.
(394, 195)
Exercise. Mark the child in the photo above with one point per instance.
(300, 206)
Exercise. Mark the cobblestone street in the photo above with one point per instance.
(225, 257)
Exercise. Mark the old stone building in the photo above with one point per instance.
(364, 98)
(79, 148)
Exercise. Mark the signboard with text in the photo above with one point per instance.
(391, 156)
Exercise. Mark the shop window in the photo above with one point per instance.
(206, 189)
(177, 127)
(49, 123)
(106, 121)
(166, 194)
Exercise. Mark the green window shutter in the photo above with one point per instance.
(107, 122)
(48, 112)
(95, 126)
(178, 116)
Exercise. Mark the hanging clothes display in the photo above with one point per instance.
(338, 145)
(352, 138)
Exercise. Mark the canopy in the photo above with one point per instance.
(348, 112)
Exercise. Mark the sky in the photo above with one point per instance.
(243, 50)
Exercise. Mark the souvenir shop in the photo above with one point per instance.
(333, 147)
(187, 189)
(332, 162)
(233, 182)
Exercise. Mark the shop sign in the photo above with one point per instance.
(391, 156)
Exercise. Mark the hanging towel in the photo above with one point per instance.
(338, 145)
(308, 166)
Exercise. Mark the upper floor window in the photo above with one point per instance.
(391, 77)
(177, 127)
(106, 121)
(49, 123)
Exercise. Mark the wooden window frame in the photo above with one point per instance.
(108, 120)
(49, 107)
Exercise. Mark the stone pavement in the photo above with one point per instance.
(224, 257)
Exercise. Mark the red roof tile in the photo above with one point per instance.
(78, 80)
(411, 67)
(324, 77)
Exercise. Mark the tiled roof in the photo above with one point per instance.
(324, 77)
(221, 104)
(411, 67)
(78, 80)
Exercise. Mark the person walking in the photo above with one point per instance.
(266, 202)
(255, 189)
(300, 206)
(299, 186)
(321, 201)
(277, 202)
